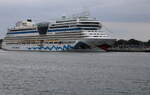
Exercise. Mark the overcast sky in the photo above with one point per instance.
(124, 18)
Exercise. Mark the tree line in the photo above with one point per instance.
(131, 43)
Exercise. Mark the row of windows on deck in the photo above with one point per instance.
(38, 42)
(67, 26)
(74, 23)
(27, 29)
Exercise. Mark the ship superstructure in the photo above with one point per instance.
(67, 34)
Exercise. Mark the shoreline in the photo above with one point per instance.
(129, 49)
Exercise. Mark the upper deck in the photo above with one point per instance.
(64, 22)
(80, 22)
(66, 27)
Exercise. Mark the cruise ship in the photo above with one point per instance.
(81, 33)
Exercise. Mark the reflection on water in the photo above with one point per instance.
(62, 73)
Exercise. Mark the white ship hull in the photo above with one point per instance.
(65, 45)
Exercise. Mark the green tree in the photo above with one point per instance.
(1, 41)
(121, 42)
(134, 42)
(148, 43)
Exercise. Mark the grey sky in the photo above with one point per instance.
(110, 11)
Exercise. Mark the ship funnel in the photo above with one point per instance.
(29, 20)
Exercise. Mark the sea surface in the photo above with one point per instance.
(74, 73)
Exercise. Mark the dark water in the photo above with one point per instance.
(58, 73)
